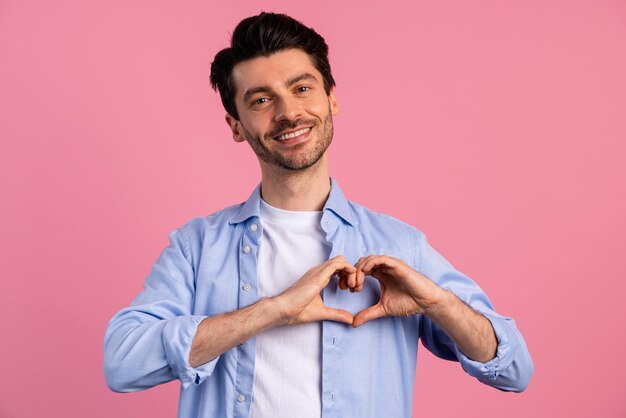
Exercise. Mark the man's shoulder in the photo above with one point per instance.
(216, 220)
(370, 219)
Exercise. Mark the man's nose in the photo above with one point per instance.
(288, 108)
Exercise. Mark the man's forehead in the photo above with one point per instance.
(273, 70)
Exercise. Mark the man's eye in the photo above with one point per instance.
(259, 101)
(303, 89)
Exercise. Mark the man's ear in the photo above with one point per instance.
(235, 128)
(334, 105)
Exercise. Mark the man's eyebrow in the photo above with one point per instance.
(254, 90)
(261, 89)
(299, 78)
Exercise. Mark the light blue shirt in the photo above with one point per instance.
(209, 268)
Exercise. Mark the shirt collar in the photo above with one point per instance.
(336, 202)
(250, 208)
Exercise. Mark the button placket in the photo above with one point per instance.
(248, 246)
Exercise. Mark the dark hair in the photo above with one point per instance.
(264, 35)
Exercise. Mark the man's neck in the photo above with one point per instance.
(305, 190)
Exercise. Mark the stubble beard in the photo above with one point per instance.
(299, 162)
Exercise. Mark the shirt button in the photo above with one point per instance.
(253, 227)
(247, 287)
(241, 398)
(246, 249)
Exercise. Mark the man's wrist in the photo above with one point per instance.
(277, 310)
(437, 306)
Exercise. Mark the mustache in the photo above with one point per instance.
(283, 126)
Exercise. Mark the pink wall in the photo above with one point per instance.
(496, 127)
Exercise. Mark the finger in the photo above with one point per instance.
(361, 261)
(377, 261)
(351, 279)
(363, 270)
(368, 314)
(338, 315)
(359, 279)
(341, 265)
(343, 283)
(360, 274)
(335, 267)
(341, 268)
(339, 259)
(347, 280)
(372, 261)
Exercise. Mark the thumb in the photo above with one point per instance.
(338, 315)
(373, 312)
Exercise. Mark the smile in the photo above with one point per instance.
(293, 134)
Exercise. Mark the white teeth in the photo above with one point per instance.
(293, 134)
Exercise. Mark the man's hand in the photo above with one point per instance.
(299, 304)
(302, 302)
(403, 291)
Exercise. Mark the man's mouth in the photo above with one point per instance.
(294, 134)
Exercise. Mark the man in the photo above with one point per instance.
(299, 303)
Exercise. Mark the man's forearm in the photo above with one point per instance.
(300, 303)
(220, 333)
(472, 332)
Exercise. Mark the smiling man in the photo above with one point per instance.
(282, 97)
(298, 302)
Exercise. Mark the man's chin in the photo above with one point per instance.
(291, 164)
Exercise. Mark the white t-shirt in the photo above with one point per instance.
(287, 371)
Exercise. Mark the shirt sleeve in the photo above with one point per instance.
(148, 343)
(512, 367)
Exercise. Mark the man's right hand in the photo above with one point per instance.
(299, 304)
(302, 302)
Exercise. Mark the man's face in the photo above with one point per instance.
(284, 112)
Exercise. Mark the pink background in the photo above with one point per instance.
(496, 127)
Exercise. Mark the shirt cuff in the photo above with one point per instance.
(504, 355)
(178, 335)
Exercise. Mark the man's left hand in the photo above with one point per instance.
(403, 290)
